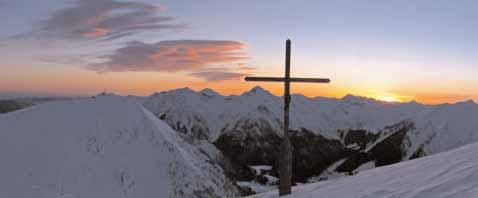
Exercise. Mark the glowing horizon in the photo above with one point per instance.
(147, 88)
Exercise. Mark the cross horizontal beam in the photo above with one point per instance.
(282, 79)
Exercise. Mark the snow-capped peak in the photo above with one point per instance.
(184, 90)
(209, 92)
(102, 94)
(357, 99)
(257, 90)
(467, 103)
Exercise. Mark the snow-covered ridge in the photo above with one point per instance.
(449, 125)
(452, 174)
(102, 147)
(317, 114)
(361, 132)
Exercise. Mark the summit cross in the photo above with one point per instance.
(285, 163)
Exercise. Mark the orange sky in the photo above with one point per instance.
(76, 81)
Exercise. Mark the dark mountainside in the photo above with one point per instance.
(12, 105)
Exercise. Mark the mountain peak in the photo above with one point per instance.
(179, 91)
(467, 103)
(350, 97)
(184, 89)
(106, 94)
(209, 92)
(257, 90)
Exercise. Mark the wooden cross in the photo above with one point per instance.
(285, 164)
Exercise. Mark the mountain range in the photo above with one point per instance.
(331, 137)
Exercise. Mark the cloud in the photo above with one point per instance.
(219, 75)
(66, 59)
(244, 67)
(170, 56)
(103, 19)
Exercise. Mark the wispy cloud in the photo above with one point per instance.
(245, 67)
(219, 75)
(103, 19)
(67, 59)
(170, 56)
(107, 20)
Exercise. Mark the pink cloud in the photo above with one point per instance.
(103, 19)
(171, 56)
(96, 32)
(219, 75)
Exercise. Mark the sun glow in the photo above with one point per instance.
(387, 97)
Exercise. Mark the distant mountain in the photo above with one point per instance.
(451, 174)
(106, 146)
(331, 137)
(322, 115)
(14, 104)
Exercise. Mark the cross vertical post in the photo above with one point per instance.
(285, 164)
(285, 159)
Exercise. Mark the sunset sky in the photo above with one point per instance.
(401, 50)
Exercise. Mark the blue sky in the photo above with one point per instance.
(412, 49)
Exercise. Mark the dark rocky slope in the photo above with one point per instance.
(313, 153)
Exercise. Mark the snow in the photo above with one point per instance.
(353, 146)
(438, 127)
(330, 172)
(452, 174)
(447, 126)
(324, 115)
(271, 179)
(261, 171)
(106, 147)
(366, 166)
(258, 169)
(256, 187)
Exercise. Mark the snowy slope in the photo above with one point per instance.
(105, 147)
(452, 174)
(445, 127)
(211, 110)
